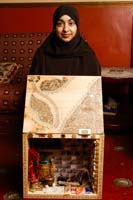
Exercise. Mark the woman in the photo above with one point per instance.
(65, 52)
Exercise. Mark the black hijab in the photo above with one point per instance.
(56, 57)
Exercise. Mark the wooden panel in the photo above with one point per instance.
(63, 104)
(61, 1)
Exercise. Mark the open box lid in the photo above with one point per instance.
(63, 104)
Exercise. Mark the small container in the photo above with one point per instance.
(44, 169)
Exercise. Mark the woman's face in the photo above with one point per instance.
(66, 28)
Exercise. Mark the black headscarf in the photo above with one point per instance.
(65, 10)
(56, 57)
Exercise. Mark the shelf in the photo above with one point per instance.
(121, 90)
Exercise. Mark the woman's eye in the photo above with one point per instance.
(59, 23)
(72, 23)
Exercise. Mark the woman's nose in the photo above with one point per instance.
(66, 27)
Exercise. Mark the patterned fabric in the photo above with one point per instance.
(11, 97)
(20, 48)
(8, 71)
(17, 48)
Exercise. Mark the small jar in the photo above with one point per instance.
(44, 169)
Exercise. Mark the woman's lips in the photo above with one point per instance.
(65, 35)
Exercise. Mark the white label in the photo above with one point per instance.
(84, 131)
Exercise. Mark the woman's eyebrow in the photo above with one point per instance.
(61, 20)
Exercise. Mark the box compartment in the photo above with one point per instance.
(63, 167)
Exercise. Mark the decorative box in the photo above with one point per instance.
(63, 138)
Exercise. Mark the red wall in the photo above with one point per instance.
(108, 29)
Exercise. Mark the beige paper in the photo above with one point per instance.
(63, 104)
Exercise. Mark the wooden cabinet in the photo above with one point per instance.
(119, 87)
